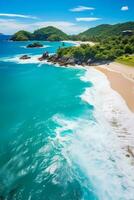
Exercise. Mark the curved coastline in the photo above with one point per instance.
(122, 80)
(116, 80)
(111, 134)
(118, 74)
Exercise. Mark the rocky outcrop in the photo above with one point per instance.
(64, 60)
(35, 45)
(45, 56)
(25, 57)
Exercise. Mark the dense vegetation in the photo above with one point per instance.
(93, 34)
(105, 30)
(50, 34)
(22, 36)
(47, 34)
(113, 41)
(107, 50)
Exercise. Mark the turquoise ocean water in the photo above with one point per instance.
(52, 142)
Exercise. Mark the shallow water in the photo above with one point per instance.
(57, 141)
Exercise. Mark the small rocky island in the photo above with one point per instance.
(25, 57)
(35, 45)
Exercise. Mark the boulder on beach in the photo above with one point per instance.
(35, 45)
(25, 57)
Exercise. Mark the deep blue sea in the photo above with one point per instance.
(56, 141)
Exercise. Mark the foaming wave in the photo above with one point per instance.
(109, 105)
(94, 149)
(33, 60)
(98, 146)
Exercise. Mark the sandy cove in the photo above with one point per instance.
(121, 78)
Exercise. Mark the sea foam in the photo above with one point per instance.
(110, 105)
(95, 146)
(33, 60)
(95, 151)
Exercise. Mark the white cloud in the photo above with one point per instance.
(17, 15)
(124, 8)
(11, 26)
(81, 8)
(87, 19)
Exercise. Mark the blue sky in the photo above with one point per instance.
(72, 16)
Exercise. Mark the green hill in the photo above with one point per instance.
(106, 30)
(22, 36)
(47, 34)
(50, 33)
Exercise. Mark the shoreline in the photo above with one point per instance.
(114, 108)
(123, 84)
(121, 79)
(78, 43)
(117, 78)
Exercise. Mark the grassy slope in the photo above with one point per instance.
(127, 60)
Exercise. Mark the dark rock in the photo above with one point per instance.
(44, 56)
(71, 61)
(35, 45)
(127, 155)
(53, 58)
(90, 61)
(63, 61)
(25, 57)
(79, 62)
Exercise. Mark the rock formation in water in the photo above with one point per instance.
(35, 45)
